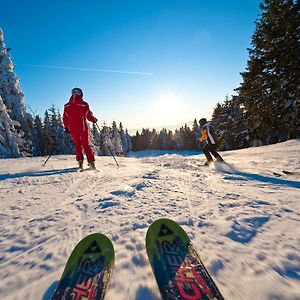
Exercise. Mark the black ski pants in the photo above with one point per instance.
(211, 149)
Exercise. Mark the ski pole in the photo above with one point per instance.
(49, 156)
(108, 147)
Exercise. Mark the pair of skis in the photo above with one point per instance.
(178, 270)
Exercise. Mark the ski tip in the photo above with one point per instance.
(100, 239)
(163, 228)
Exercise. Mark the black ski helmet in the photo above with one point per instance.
(77, 91)
(202, 121)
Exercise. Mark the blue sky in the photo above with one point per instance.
(172, 60)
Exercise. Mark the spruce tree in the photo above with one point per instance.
(125, 138)
(189, 138)
(129, 144)
(135, 141)
(11, 93)
(228, 120)
(12, 143)
(106, 141)
(48, 137)
(37, 137)
(95, 140)
(165, 140)
(116, 140)
(179, 139)
(270, 90)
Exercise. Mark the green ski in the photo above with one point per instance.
(178, 270)
(88, 270)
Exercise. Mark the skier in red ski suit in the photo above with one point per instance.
(76, 114)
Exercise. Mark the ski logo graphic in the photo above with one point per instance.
(87, 282)
(177, 268)
(88, 270)
(94, 248)
(189, 282)
(164, 230)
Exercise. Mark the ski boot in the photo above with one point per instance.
(207, 163)
(80, 165)
(92, 165)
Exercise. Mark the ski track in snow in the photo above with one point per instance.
(243, 220)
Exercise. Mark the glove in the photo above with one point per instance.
(67, 130)
(95, 121)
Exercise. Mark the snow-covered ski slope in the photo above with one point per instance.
(244, 220)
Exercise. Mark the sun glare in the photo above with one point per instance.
(168, 107)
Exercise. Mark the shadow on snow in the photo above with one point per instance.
(262, 178)
(234, 174)
(36, 173)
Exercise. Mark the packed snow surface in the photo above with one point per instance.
(243, 219)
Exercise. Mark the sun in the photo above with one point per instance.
(168, 106)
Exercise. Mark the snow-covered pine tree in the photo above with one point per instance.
(228, 119)
(126, 143)
(67, 143)
(116, 140)
(270, 90)
(106, 141)
(165, 139)
(196, 126)
(10, 91)
(95, 140)
(135, 140)
(196, 132)
(37, 137)
(129, 144)
(189, 139)
(155, 142)
(63, 140)
(12, 144)
(146, 139)
(48, 137)
(179, 139)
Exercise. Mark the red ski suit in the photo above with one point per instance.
(76, 114)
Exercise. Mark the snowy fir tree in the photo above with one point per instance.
(165, 140)
(37, 137)
(267, 107)
(116, 140)
(196, 128)
(62, 141)
(228, 120)
(106, 141)
(270, 91)
(12, 143)
(110, 140)
(95, 140)
(49, 140)
(125, 138)
(10, 91)
(179, 139)
(135, 141)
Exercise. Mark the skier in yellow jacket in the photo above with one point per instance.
(208, 141)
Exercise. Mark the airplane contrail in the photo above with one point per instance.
(85, 69)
